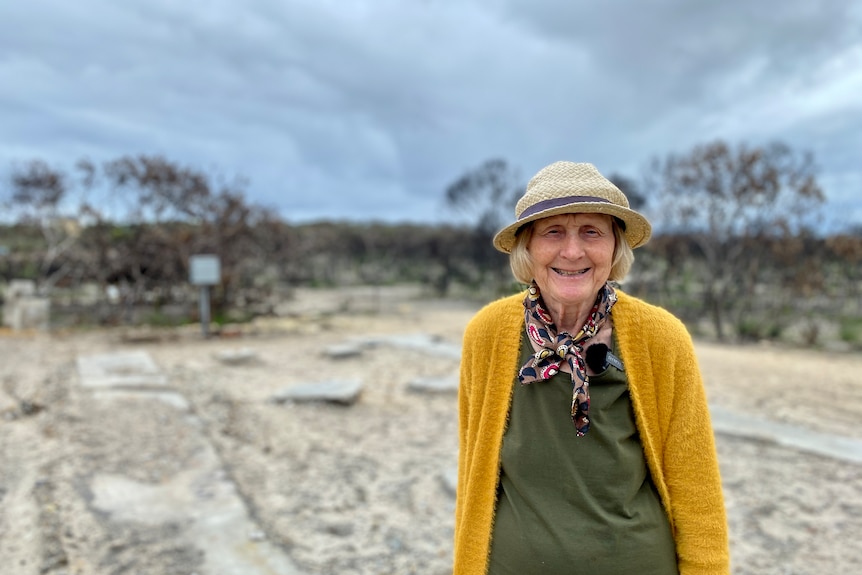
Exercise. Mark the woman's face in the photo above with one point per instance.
(572, 256)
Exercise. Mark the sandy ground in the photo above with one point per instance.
(360, 489)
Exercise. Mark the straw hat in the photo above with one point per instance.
(570, 188)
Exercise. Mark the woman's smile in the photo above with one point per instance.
(566, 273)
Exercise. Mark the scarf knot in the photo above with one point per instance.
(553, 349)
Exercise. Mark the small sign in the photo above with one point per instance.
(205, 270)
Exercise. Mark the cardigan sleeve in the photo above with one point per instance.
(676, 433)
(463, 427)
(692, 474)
(488, 366)
(467, 538)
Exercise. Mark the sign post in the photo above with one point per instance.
(205, 271)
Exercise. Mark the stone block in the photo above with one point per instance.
(20, 288)
(26, 312)
(434, 384)
(240, 356)
(341, 392)
(124, 370)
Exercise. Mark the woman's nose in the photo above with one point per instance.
(572, 247)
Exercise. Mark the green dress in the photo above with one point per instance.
(577, 505)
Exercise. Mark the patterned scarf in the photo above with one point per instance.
(554, 349)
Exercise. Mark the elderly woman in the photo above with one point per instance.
(585, 438)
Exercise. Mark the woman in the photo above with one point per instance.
(585, 439)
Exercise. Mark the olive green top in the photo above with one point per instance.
(571, 505)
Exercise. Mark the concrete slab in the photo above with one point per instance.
(421, 342)
(240, 356)
(343, 392)
(125, 370)
(343, 351)
(741, 425)
(434, 384)
(172, 398)
(449, 479)
(205, 501)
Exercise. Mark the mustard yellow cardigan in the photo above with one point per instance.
(670, 412)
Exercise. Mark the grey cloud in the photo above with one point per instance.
(332, 107)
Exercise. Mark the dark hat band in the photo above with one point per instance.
(557, 202)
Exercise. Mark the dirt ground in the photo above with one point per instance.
(362, 489)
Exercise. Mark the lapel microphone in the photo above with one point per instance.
(598, 357)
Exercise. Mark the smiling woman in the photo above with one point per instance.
(585, 439)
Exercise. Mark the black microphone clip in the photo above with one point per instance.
(598, 357)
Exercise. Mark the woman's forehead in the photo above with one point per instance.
(577, 218)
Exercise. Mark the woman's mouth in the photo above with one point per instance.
(569, 273)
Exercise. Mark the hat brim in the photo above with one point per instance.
(637, 233)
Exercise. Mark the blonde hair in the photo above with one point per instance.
(521, 261)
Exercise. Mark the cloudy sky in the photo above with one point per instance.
(367, 109)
